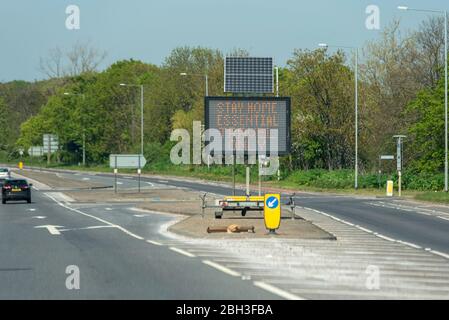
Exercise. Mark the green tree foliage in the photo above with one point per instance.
(321, 87)
(400, 91)
(426, 132)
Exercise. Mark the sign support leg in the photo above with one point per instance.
(49, 150)
(138, 171)
(260, 179)
(233, 175)
(115, 176)
(247, 180)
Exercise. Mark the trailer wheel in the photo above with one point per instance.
(218, 214)
(244, 212)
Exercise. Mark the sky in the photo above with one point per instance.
(148, 30)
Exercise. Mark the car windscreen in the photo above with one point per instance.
(16, 182)
(4, 170)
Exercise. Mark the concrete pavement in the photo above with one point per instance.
(284, 268)
(114, 263)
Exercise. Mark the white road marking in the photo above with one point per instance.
(96, 218)
(155, 243)
(108, 209)
(444, 218)
(440, 254)
(149, 183)
(186, 253)
(162, 181)
(384, 237)
(118, 182)
(52, 229)
(379, 235)
(150, 211)
(222, 268)
(59, 196)
(277, 291)
(410, 244)
(139, 215)
(364, 229)
(32, 209)
(39, 217)
(85, 179)
(87, 228)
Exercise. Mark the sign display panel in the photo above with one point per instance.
(50, 143)
(36, 151)
(234, 113)
(127, 161)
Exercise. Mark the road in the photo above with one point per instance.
(123, 255)
(426, 226)
(114, 262)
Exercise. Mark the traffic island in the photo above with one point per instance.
(196, 226)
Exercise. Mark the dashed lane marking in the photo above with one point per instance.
(277, 291)
(155, 243)
(183, 252)
(222, 268)
(375, 233)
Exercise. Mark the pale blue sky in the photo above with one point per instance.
(149, 29)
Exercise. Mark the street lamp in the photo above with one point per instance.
(444, 12)
(83, 124)
(141, 111)
(356, 100)
(206, 78)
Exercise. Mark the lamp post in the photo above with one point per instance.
(356, 107)
(206, 79)
(83, 124)
(141, 111)
(444, 13)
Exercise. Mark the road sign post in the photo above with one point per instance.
(50, 145)
(127, 161)
(115, 175)
(399, 161)
(138, 173)
(48, 148)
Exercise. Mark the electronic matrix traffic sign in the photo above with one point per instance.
(235, 113)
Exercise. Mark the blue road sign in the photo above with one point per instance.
(272, 202)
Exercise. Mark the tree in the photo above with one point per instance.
(321, 87)
(391, 75)
(81, 58)
(5, 132)
(430, 42)
(426, 133)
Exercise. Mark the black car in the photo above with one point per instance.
(16, 189)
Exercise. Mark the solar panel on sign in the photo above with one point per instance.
(248, 75)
